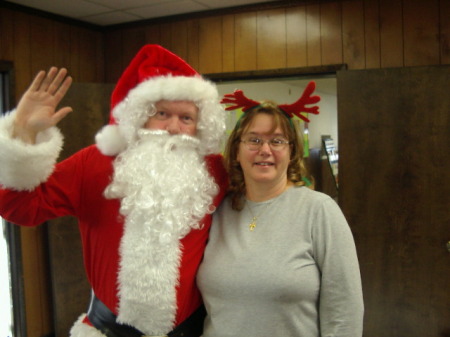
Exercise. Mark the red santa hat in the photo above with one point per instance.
(157, 74)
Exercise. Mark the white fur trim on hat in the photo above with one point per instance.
(110, 141)
(25, 166)
(132, 113)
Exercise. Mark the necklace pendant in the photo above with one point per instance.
(252, 224)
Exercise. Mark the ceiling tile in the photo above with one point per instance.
(229, 3)
(121, 4)
(68, 8)
(167, 8)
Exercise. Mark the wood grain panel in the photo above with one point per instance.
(34, 277)
(22, 52)
(372, 33)
(41, 38)
(6, 34)
(210, 45)
(296, 37)
(245, 41)
(313, 35)
(353, 34)
(91, 58)
(193, 44)
(401, 225)
(75, 52)
(133, 40)
(113, 50)
(391, 33)
(421, 32)
(445, 32)
(165, 36)
(61, 45)
(180, 39)
(152, 34)
(228, 43)
(332, 33)
(271, 39)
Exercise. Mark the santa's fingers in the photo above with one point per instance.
(54, 80)
(61, 88)
(60, 114)
(37, 81)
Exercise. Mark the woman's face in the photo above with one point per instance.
(265, 165)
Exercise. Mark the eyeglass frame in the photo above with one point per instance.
(257, 147)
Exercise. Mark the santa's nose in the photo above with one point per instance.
(173, 126)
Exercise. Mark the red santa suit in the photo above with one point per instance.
(163, 289)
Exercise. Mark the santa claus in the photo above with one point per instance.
(143, 194)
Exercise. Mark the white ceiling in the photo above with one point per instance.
(111, 12)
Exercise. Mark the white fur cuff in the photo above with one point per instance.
(25, 166)
(79, 329)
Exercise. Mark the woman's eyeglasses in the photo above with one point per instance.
(255, 143)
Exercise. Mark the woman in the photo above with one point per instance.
(281, 259)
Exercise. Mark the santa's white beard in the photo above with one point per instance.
(165, 190)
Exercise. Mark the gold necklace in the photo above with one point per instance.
(252, 224)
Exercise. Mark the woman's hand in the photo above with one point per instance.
(36, 110)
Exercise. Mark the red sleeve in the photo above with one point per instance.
(59, 196)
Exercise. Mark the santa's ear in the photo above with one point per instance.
(110, 141)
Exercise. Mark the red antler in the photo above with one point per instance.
(239, 100)
(300, 105)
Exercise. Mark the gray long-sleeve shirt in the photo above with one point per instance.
(295, 275)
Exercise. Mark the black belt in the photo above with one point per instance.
(105, 320)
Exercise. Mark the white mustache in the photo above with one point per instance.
(167, 141)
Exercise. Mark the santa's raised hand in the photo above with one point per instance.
(36, 110)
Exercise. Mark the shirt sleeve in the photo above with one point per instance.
(341, 301)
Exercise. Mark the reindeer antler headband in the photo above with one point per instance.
(239, 100)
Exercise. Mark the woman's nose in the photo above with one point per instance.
(265, 148)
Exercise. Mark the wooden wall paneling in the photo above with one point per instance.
(245, 41)
(22, 52)
(75, 53)
(165, 35)
(100, 57)
(296, 37)
(228, 43)
(180, 39)
(114, 65)
(41, 44)
(400, 226)
(61, 43)
(31, 238)
(6, 34)
(152, 34)
(193, 43)
(313, 35)
(421, 32)
(271, 39)
(132, 41)
(391, 33)
(353, 34)
(331, 31)
(210, 45)
(89, 64)
(444, 27)
(372, 33)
